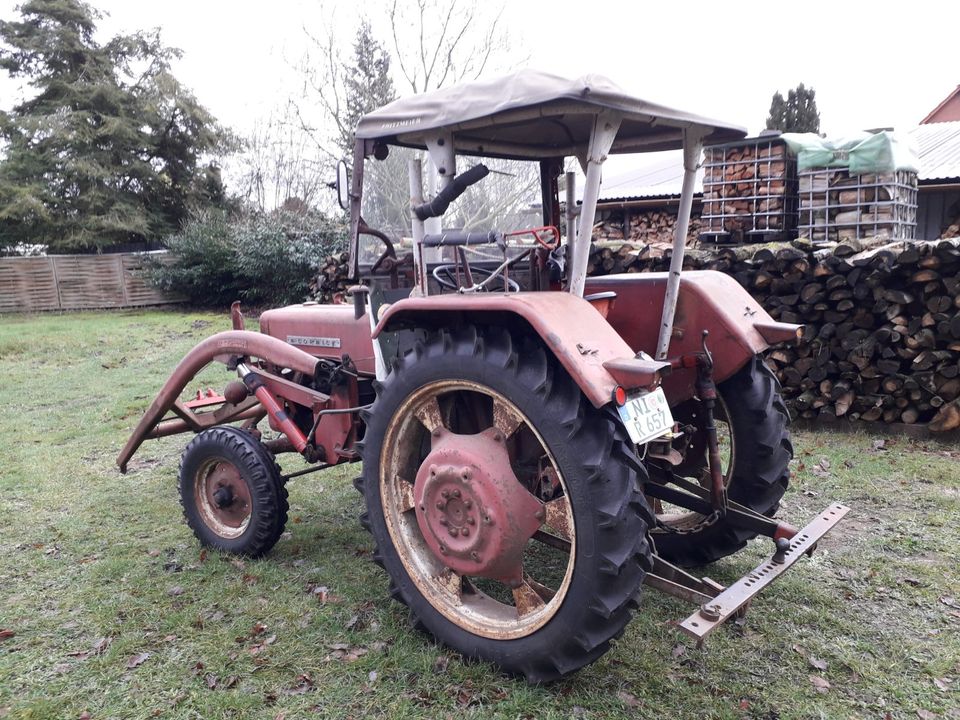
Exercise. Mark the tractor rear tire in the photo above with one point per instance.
(758, 420)
(232, 494)
(599, 475)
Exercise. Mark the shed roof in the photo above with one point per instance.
(654, 175)
(535, 115)
(939, 146)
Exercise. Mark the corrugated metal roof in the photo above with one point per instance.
(939, 146)
(658, 174)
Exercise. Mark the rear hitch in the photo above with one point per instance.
(718, 603)
(728, 603)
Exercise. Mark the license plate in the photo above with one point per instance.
(647, 416)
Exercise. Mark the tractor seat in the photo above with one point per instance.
(602, 301)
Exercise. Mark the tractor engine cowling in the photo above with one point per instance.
(326, 331)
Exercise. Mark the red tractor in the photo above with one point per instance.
(536, 444)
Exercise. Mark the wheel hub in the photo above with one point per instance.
(473, 512)
(224, 498)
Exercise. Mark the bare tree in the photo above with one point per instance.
(428, 44)
(443, 42)
(280, 166)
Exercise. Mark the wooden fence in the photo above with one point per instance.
(76, 282)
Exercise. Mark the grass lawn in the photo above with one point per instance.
(109, 608)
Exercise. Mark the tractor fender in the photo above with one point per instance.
(569, 326)
(738, 326)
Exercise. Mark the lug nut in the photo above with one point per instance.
(442, 521)
(455, 493)
(468, 504)
(444, 494)
(471, 521)
(454, 532)
(441, 505)
(465, 532)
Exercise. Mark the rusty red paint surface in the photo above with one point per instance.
(708, 300)
(570, 326)
(222, 347)
(473, 512)
(327, 331)
(635, 373)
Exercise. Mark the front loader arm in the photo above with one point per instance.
(226, 347)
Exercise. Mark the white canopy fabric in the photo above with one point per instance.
(534, 115)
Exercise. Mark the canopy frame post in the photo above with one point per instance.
(415, 169)
(606, 124)
(692, 149)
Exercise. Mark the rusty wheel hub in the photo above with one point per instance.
(473, 512)
(223, 498)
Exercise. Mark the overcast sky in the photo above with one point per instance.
(872, 64)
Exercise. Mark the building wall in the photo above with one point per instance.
(948, 113)
(935, 210)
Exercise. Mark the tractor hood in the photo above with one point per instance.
(534, 115)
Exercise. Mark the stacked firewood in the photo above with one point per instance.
(882, 337)
(652, 227)
(748, 190)
(835, 205)
(331, 278)
(953, 229)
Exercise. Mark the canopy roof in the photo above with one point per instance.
(534, 115)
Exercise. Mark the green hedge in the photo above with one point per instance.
(262, 259)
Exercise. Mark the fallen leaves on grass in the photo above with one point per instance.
(821, 685)
(303, 684)
(817, 663)
(323, 594)
(258, 648)
(363, 617)
(345, 652)
(926, 715)
(942, 683)
(137, 660)
(175, 591)
(822, 468)
(5, 633)
(628, 699)
(441, 664)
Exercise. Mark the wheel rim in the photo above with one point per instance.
(468, 413)
(222, 498)
(680, 519)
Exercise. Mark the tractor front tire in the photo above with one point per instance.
(467, 381)
(757, 419)
(232, 494)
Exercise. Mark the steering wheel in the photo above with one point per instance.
(388, 252)
(446, 276)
